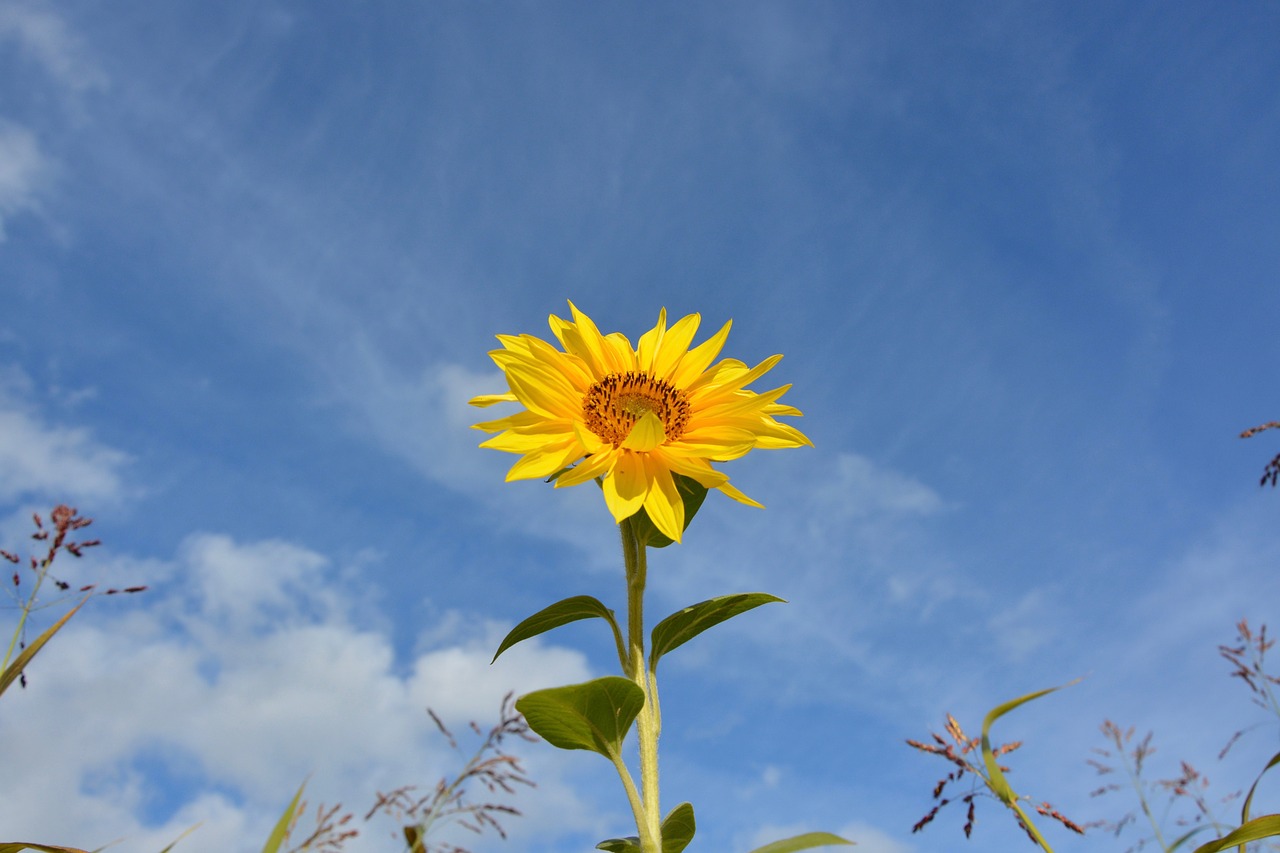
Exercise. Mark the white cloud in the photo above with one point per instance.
(23, 170)
(241, 674)
(41, 460)
(872, 840)
(860, 488)
(44, 37)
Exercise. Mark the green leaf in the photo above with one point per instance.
(630, 844)
(1000, 785)
(14, 669)
(995, 776)
(692, 494)
(677, 828)
(683, 625)
(802, 842)
(15, 846)
(1186, 837)
(280, 834)
(593, 716)
(1248, 801)
(562, 613)
(1266, 826)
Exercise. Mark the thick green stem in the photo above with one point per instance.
(649, 723)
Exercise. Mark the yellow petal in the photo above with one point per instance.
(693, 467)
(626, 486)
(675, 345)
(544, 462)
(588, 469)
(648, 346)
(485, 400)
(514, 442)
(583, 339)
(700, 357)
(549, 399)
(622, 358)
(646, 434)
(663, 503)
(739, 496)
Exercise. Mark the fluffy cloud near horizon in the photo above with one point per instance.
(244, 673)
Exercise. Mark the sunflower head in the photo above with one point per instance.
(647, 421)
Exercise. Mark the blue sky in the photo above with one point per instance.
(1020, 258)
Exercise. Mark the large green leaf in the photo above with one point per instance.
(678, 828)
(802, 842)
(630, 844)
(562, 613)
(1266, 826)
(280, 834)
(683, 625)
(594, 716)
(14, 669)
(692, 494)
(15, 846)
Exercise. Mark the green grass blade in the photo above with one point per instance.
(280, 834)
(175, 841)
(15, 668)
(995, 776)
(1266, 826)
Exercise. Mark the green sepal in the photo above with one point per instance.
(562, 613)
(630, 844)
(594, 715)
(683, 625)
(692, 494)
(802, 842)
(15, 846)
(678, 828)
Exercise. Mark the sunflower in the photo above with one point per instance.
(635, 418)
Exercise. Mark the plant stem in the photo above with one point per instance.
(649, 722)
(27, 607)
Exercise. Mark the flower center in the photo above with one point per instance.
(614, 404)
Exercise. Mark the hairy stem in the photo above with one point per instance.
(649, 722)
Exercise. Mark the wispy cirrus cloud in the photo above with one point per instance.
(44, 37)
(44, 460)
(24, 170)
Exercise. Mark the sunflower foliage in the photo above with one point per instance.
(648, 424)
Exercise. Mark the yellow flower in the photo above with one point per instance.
(633, 417)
